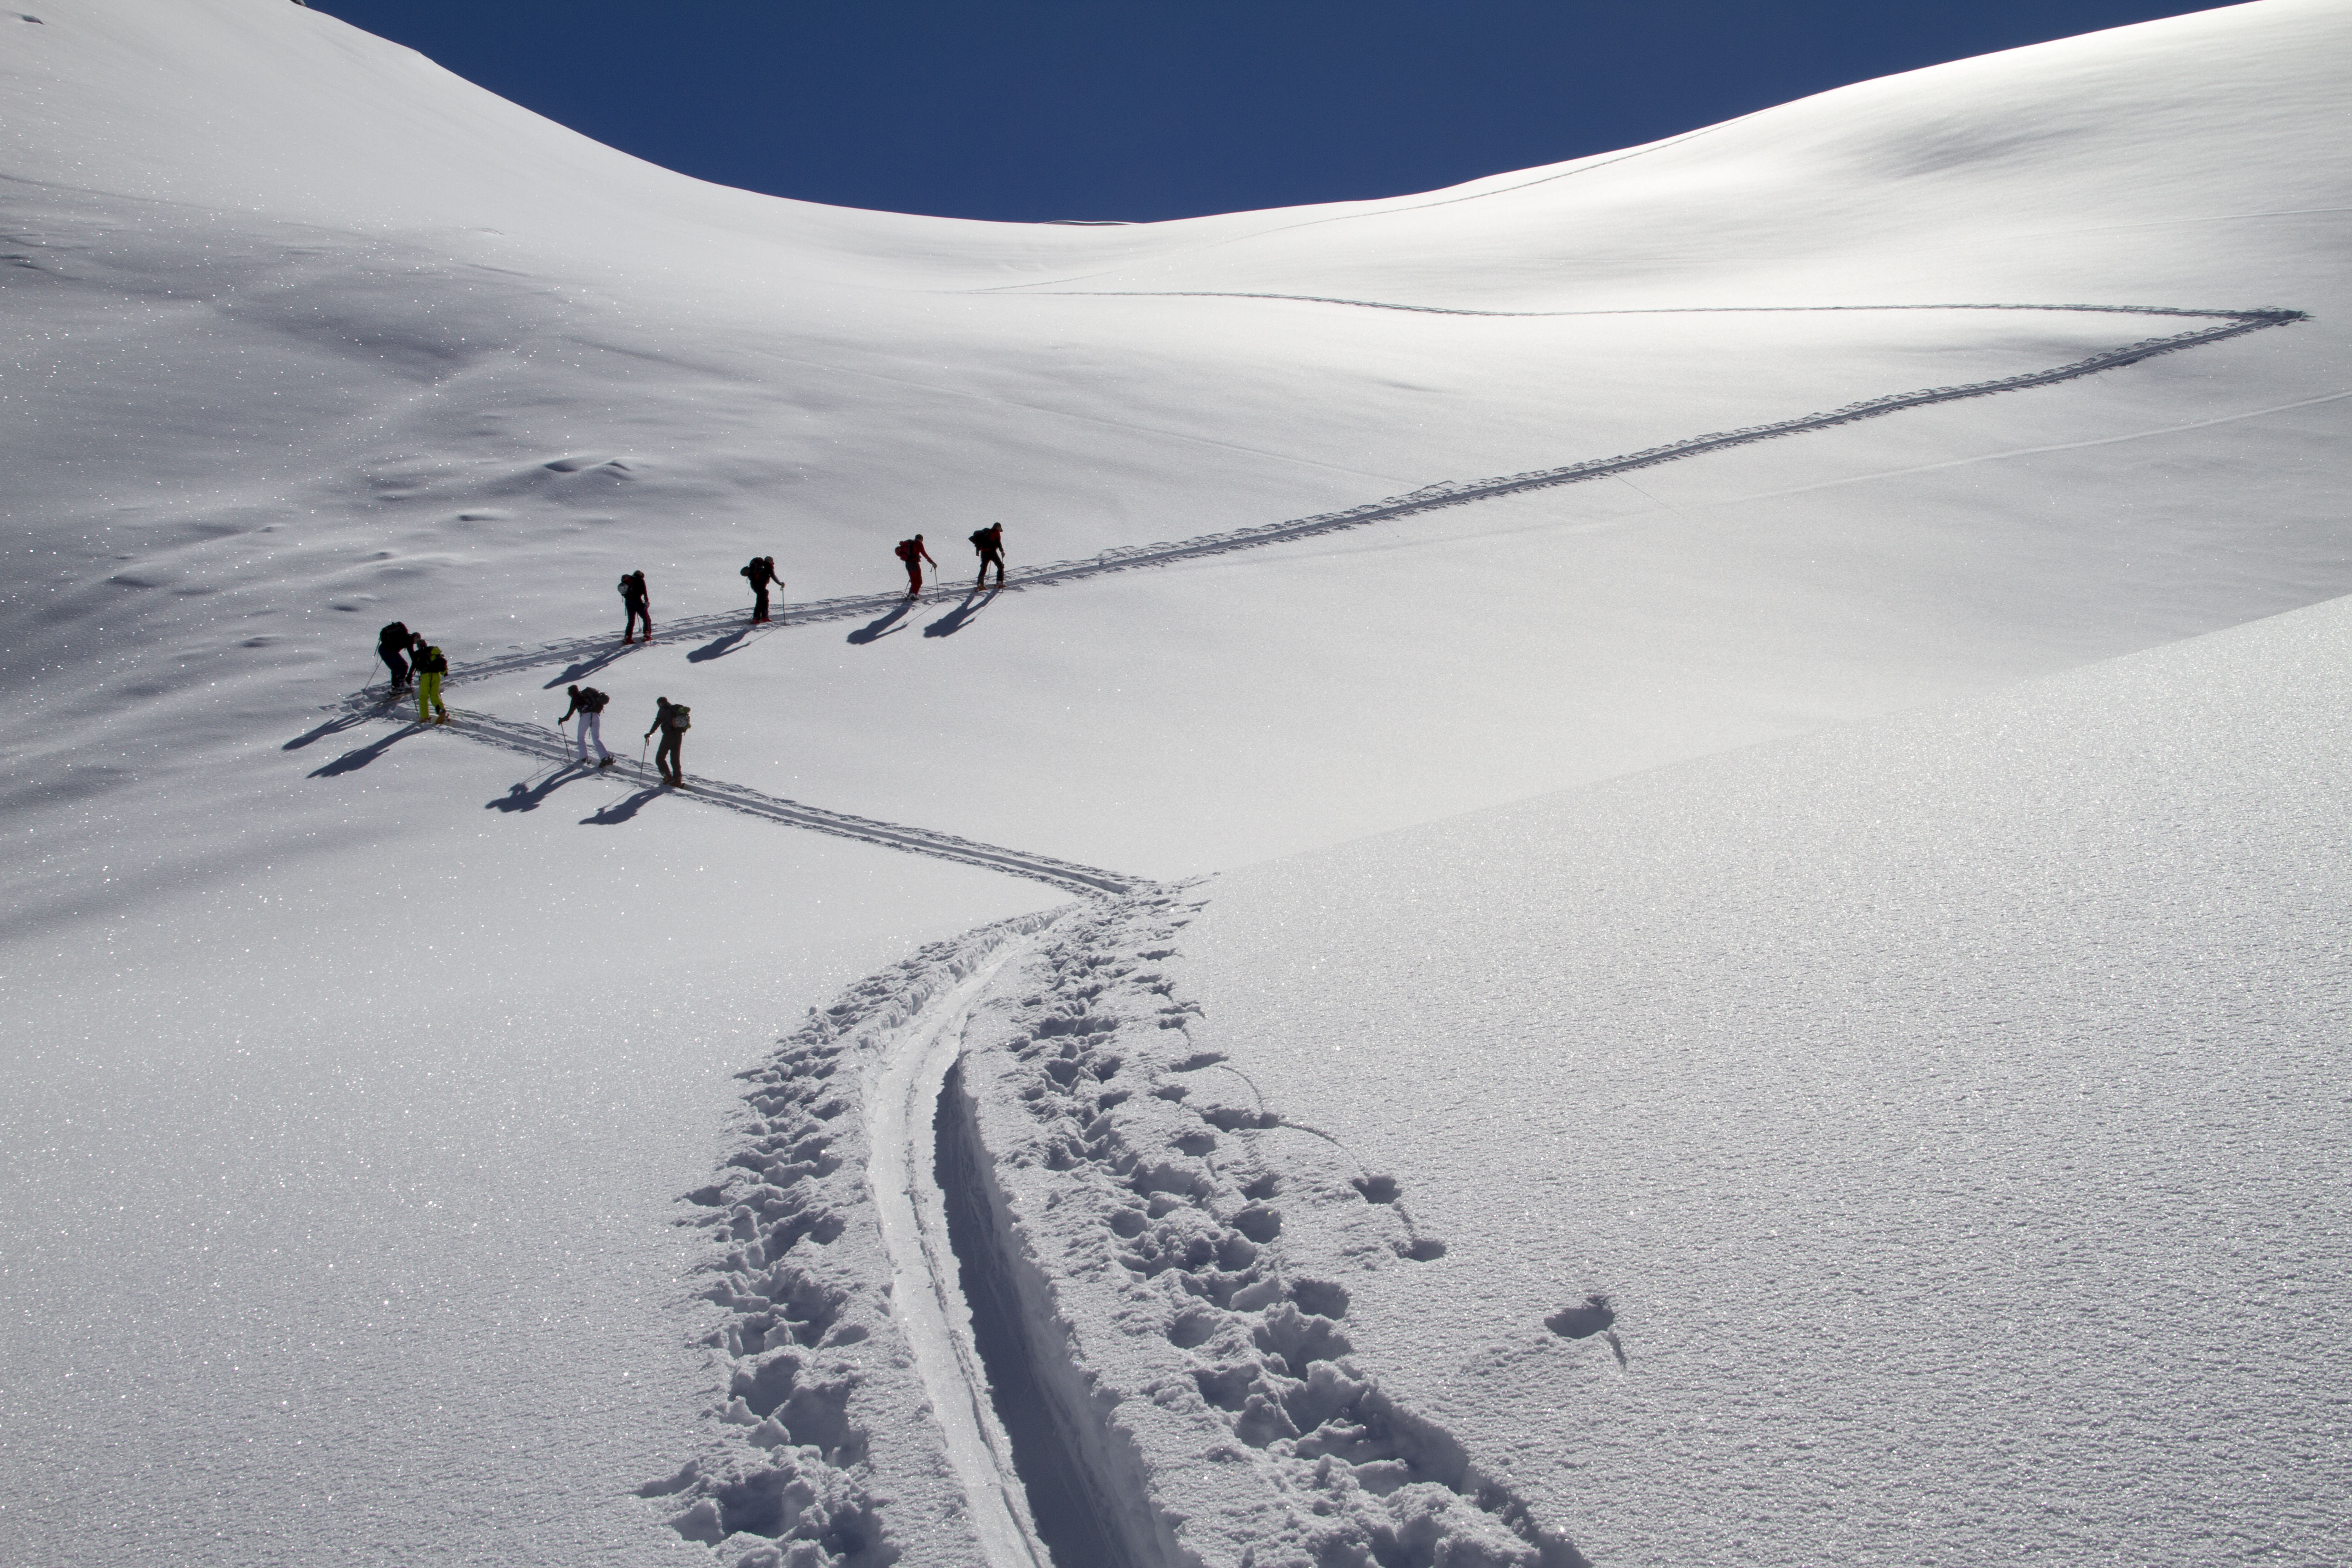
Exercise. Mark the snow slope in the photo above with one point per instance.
(355, 1068)
(1945, 1113)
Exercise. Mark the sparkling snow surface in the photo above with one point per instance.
(355, 1074)
(1951, 1110)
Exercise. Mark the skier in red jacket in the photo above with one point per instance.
(912, 552)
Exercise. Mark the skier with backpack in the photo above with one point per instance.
(912, 552)
(638, 602)
(989, 543)
(672, 719)
(761, 571)
(431, 666)
(392, 647)
(589, 703)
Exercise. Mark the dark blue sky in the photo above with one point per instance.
(1026, 109)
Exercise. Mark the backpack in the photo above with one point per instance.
(679, 719)
(592, 700)
(434, 663)
(982, 541)
(393, 636)
(908, 549)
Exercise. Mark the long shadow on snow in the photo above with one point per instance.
(620, 811)
(331, 727)
(582, 668)
(963, 615)
(733, 642)
(884, 626)
(353, 761)
(529, 796)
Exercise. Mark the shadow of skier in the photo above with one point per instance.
(353, 761)
(735, 641)
(883, 627)
(582, 668)
(963, 615)
(331, 727)
(528, 797)
(621, 810)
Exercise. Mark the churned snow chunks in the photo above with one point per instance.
(818, 1450)
(1147, 1182)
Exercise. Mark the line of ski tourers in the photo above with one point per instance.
(415, 661)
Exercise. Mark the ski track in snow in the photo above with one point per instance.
(845, 1391)
(1134, 1219)
(1172, 1330)
(1201, 1353)
(549, 745)
(584, 656)
(912, 1211)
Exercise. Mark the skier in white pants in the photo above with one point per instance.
(589, 703)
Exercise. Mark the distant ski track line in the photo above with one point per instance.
(533, 741)
(586, 655)
(2255, 318)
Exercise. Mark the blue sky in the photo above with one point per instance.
(1027, 110)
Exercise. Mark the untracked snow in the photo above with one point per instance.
(1541, 1064)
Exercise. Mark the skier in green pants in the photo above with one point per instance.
(431, 666)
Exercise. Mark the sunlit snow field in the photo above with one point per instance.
(1915, 1003)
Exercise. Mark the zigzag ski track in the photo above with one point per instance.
(584, 653)
(546, 745)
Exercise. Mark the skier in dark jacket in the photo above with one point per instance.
(638, 601)
(761, 571)
(912, 552)
(989, 543)
(431, 666)
(672, 719)
(589, 703)
(392, 647)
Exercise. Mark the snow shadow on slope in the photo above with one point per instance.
(963, 615)
(720, 647)
(882, 625)
(531, 794)
(353, 760)
(331, 727)
(582, 669)
(621, 810)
